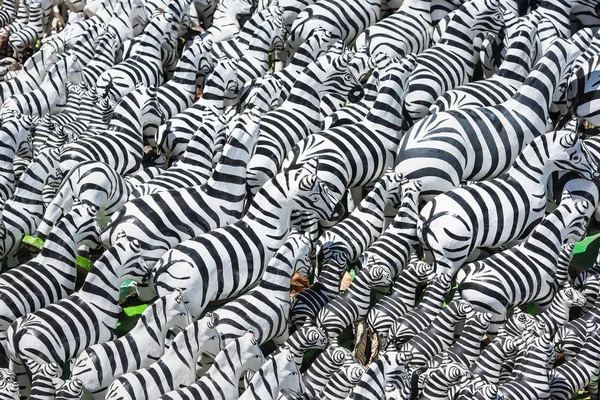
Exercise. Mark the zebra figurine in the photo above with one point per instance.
(271, 295)
(394, 247)
(281, 370)
(588, 283)
(96, 184)
(450, 62)
(353, 304)
(192, 210)
(504, 83)
(390, 368)
(515, 123)
(406, 327)
(90, 313)
(145, 67)
(22, 213)
(569, 378)
(439, 382)
(100, 364)
(220, 380)
(261, 233)
(121, 146)
(334, 15)
(376, 138)
(328, 75)
(463, 213)
(362, 227)
(51, 275)
(343, 381)
(16, 140)
(177, 367)
(539, 252)
(438, 336)
(50, 96)
(401, 300)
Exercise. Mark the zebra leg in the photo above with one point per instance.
(58, 207)
(22, 377)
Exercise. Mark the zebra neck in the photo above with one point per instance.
(177, 8)
(517, 64)
(490, 362)
(545, 241)
(59, 256)
(151, 331)
(277, 278)
(102, 284)
(556, 315)
(127, 118)
(185, 74)
(271, 209)
(329, 280)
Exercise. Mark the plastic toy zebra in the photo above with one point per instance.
(514, 123)
(121, 146)
(353, 304)
(539, 252)
(355, 233)
(451, 225)
(334, 15)
(178, 364)
(279, 132)
(278, 373)
(145, 67)
(98, 365)
(86, 317)
(192, 210)
(407, 31)
(220, 380)
(504, 83)
(450, 63)
(51, 275)
(15, 136)
(263, 229)
(342, 381)
(270, 296)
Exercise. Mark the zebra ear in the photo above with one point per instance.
(309, 322)
(566, 196)
(135, 246)
(121, 234)
(311, 166)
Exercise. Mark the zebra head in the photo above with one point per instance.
(518, 323)
(81, 223)
(302, 247)
(488, 17)
(571, 217)
(588, 285)
(308, 193)
(289, 376)
(246, 350)
(342, 78)
(150, 110)
(74, 71)
(278, 30)
(569, 297)
(132, 265)
(566, 152)
(9, 389)
(207, 335)
(17, 127)
(310, 336)
(376, 275)
(583, 91)
(172, 307)
(200, 52)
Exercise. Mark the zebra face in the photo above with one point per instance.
(314, 337)
(570, 154)
(177, 313)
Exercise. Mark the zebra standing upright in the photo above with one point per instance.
(86, 317)
(471, 149)
(254, 239)
(451, 62)
(494, 284)
(194, 210)
(140, 347)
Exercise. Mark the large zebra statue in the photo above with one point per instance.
(261, 232)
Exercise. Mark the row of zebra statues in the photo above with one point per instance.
(210, 150)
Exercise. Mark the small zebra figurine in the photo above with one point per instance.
(343, 381)
(177, 367)
(354, 303)
(139, 348)
(221, 381)
(278, 373)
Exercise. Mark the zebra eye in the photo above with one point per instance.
(347, 77)
(314, 197)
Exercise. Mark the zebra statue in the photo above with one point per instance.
(139, 348)
(263, 229)
(194, 210)
(451, 61)
(480, 282)
(557, 313)
(86, 317)
(468, 218)
(281, 370)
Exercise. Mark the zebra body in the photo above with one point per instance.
(514, 123)
(270, 296)
(502, 85)
(449, 63)
(343, 381)
(225, 24)
(362, 227)
(400, 301)
(51, 275)
(503, 272)
(145, 67)
(15, 140)
(99, 365)
(220, 380)
(260, 233)
(192, 211)
(390, 367)
(280, 131)
(281, 370)
(50, 97)
(121, 146)
(342, 151)
(456, 222)
(406, 327)
(95, 184)
(353, 304)
(407, 31)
